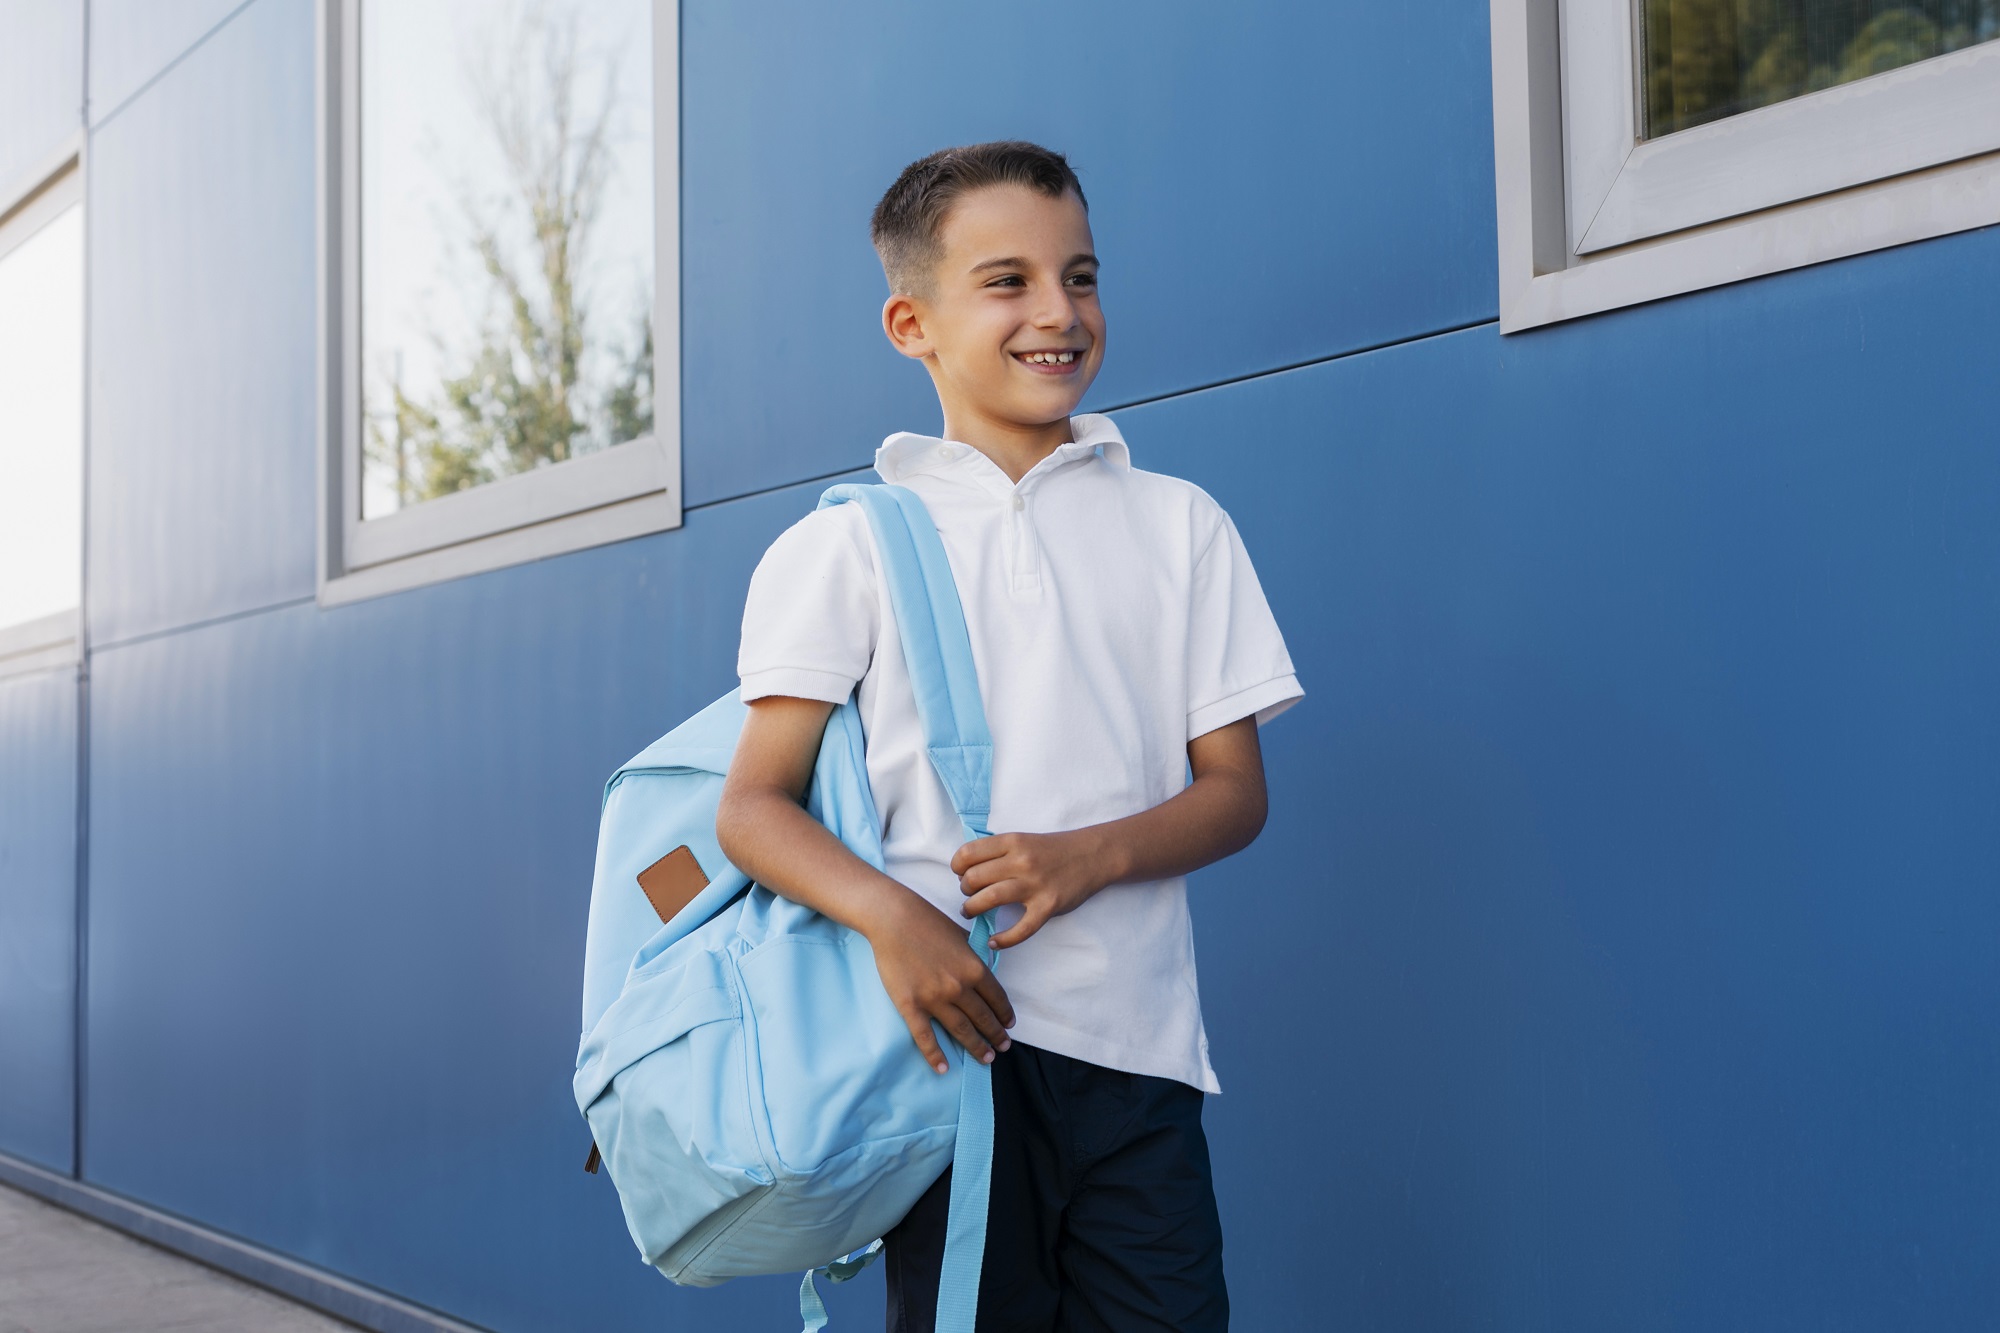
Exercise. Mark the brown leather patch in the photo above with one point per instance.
(672, 881)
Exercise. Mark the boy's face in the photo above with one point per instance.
(1010, 329)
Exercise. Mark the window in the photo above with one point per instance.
(1709, 59)
(41, 429)
(1648, 147)
(501, 280)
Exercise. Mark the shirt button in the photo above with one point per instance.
(1019, 504)
(944, 451)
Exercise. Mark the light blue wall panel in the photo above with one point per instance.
(1619, 954)
(131, 41)
(41, 86)
(38, 916)
(203, 328)
(341, 867)
(1270, 183)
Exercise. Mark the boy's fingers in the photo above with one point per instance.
(982, 1015)
(965, 1034)
(995, 995)
(984, 874)
(1031, 921)
(972, 853)
(992, 896)
(920, 1032)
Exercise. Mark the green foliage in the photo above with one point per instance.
(1890, 41)
(630, 404)
(1707, 59)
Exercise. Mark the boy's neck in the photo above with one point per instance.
(1014, 448)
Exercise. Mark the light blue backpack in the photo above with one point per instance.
(753, 1092)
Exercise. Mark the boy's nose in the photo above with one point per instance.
(1058, 312)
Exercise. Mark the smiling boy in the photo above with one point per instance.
(1126, 656)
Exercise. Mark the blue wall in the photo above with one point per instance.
(1618, 955)
(41, 85)
(38, 715)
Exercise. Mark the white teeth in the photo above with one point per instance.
(1051, 358)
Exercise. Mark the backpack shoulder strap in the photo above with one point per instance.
(938, 650)
(935, 643)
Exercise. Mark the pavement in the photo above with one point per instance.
(61, 1273)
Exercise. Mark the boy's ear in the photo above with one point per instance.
(903, 321)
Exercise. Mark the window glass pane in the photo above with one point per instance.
(41, 421)
(506, 238)
(1706, 59)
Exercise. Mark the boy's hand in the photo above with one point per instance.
(930, 971)
(1046, 873)
(1052, 873)
(928, 968)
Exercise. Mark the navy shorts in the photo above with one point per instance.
(1103, 1212)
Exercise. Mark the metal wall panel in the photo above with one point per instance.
(338, 911)
(203, 334)
(132, 41)
(1269, 183)
(41, 86)
(1619, 954)
(38, 916)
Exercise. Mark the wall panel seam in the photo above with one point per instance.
(158, 74)
(149, 635)
(1168, 396)
(79, 889)
(1247, 376)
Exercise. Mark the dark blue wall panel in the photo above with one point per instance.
(1269, 183)
(203, 333)
(1620, 951)
(132, 41)
(38, 916)
(335, 974)
(41, 86)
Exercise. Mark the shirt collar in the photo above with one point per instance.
(907, 453)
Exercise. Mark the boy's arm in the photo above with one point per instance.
(1219, 813)
(927, 966)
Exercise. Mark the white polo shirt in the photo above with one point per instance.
(1114, 616)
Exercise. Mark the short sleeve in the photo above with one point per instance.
(1237, 663)
(810, 621)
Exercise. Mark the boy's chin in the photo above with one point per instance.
(1045, 408)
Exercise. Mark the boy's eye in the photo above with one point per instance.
(1006, 280)
(1083, 279)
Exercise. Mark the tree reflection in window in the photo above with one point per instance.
(507, 274)
(1707, 59)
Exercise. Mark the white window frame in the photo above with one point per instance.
(625, 491)
(54, 640)
(1591, 217)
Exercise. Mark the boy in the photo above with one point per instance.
(1122, 643)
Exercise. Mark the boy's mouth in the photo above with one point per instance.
(1052, 361)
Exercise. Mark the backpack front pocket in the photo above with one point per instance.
(663, 1080)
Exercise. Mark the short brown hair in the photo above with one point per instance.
(909, 222)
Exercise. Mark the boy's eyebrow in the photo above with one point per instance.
(1015, 261)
